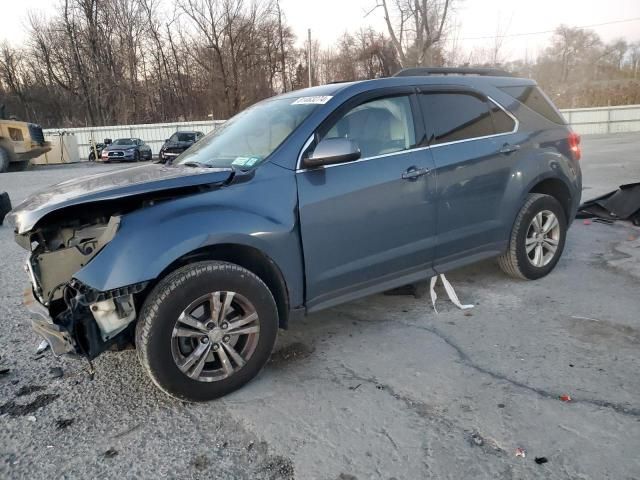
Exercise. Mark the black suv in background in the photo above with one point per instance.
(178, 143)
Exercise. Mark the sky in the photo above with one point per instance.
(329, 19)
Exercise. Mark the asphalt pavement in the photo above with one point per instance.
(380, 388)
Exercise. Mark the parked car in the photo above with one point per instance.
(126, 149)
(178, 143)
(98, 149)
(302, 202)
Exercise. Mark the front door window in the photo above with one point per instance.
(379, 127)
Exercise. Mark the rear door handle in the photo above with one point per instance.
(412, 173)
(507, 148)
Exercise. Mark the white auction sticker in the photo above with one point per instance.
(319, 100)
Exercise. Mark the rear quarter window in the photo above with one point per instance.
(536, 100)
(502, 122)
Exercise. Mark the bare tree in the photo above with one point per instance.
(569, 45)
(634, 58)
(281, 38)
(417, 29)
(101, 62)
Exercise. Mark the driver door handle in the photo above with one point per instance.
(508, 148)
(412, 173)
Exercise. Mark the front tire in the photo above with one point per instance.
(206, 330)
(537, 238)
(136, 156)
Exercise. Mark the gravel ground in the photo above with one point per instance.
(380, 388)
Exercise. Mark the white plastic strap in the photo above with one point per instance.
(450, 292)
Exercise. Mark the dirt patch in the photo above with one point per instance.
(201, 462)
(29, 389)
(63, 423)
(278, 468)
(486, 444)
(598, 331)
(291, 353)
(112, 452)
(14, 409)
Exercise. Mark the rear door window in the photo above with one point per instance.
(456, 116)
(536, 100)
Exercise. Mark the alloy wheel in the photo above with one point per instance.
(215, 336)
(543, 237)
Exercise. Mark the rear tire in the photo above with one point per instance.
(4, 160)
(532, 252)
(191, 365)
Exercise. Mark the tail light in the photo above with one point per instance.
(574, 145)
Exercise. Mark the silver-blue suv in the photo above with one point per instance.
(301, 202)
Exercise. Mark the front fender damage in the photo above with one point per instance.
(66, 228)
(76, 247)
(72, 317)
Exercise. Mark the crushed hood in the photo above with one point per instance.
(110, 186)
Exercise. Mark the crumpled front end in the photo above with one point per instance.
(72, 317)
(66, 226)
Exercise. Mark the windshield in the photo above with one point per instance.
(183, 137)
(249, 137)
(124, 141)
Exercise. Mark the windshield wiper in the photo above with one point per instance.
(197, 164)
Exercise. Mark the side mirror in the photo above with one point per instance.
(166, 140)
(331, 151)
(107, 141)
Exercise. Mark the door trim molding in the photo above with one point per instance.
(393, 154)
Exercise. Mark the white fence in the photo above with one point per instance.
(154, 134)
(585, 121)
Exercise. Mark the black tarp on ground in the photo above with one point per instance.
(621, 204)
(5, 205)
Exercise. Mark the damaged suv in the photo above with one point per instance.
(301, 202)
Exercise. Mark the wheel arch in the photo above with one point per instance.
(251, 258)
(557, 189)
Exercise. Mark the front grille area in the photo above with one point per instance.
(35, 132)
(116, 154)
(175, 150)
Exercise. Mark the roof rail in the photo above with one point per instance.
(423, 71)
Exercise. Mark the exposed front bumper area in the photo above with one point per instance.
(58, 339)
(91, 322)
(73, 317)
